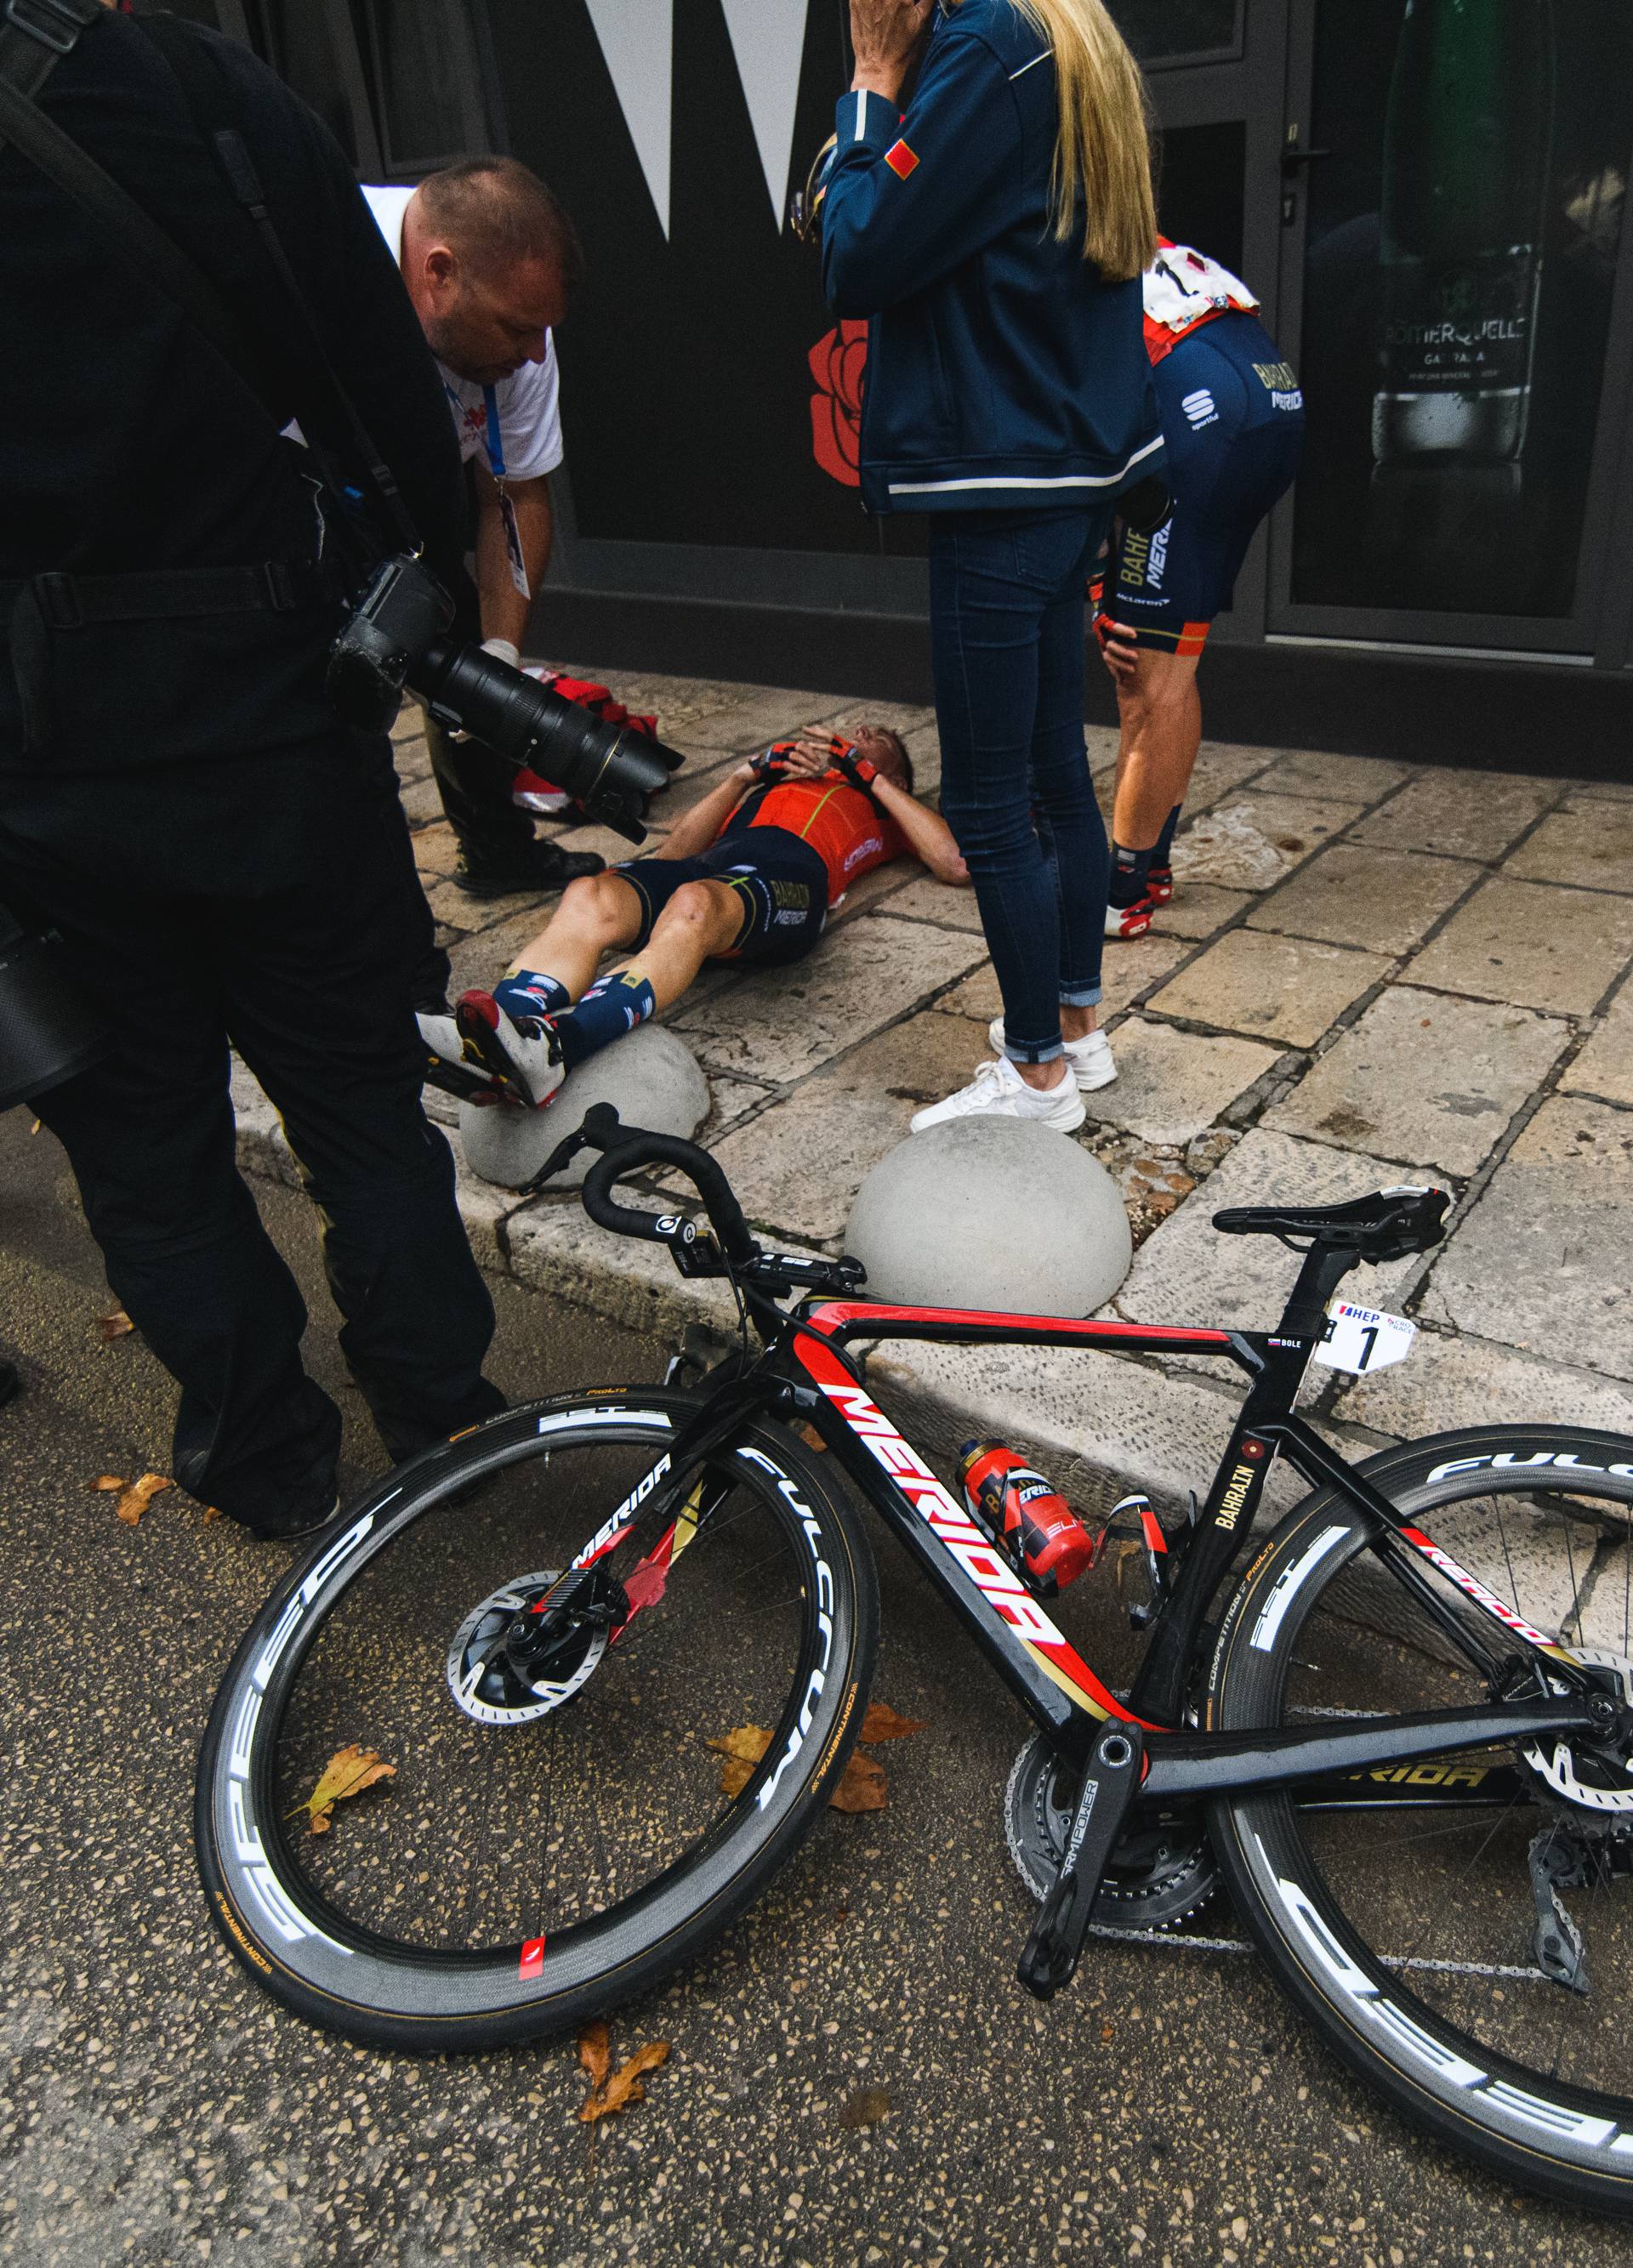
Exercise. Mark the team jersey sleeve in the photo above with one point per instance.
(530, 420)
(910, 196)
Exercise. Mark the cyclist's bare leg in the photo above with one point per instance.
(699, 921)
(1160, 712)
(598, 913)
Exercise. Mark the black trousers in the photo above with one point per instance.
(272, 904)
(475, 789)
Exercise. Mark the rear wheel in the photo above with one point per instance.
(556, 1839)
(1409, 1912)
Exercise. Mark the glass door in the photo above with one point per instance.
(1454, 179)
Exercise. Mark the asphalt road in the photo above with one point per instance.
(154, 2107)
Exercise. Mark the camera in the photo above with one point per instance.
(396, 636)
(50, 1029)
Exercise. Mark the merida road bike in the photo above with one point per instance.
(1397, 1729)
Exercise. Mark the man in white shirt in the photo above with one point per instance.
(490, 259)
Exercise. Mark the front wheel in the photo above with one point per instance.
(1460, 1930)
(550, 1843)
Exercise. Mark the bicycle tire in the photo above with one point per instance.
(299, 1941)
(1314, 1889)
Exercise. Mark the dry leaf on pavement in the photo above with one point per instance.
(348, 1773)
(882, 1723)
(595, 2053)
(866, 2107)
(743, 1748)
(862, 1785)
(109, 1481)
(114, 1326)
(139, 1495)
(623, 2087)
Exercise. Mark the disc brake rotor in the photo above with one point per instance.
(482, 1681)
(1160, 1871)
(1592, 1782)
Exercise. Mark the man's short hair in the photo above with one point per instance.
(495, 213)
(886, 733)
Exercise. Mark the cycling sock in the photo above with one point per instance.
(1129, 869)
(607, 1011)
(1163, 852)
(528, 992)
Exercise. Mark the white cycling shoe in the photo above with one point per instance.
(998, 1091)
(523, 1054)
(1089, 1057)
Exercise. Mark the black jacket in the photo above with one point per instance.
(127, 443)
(1002, 372)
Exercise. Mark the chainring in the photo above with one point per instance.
(1161, 1871)
(481, 1678)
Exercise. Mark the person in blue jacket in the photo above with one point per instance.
(994, 232)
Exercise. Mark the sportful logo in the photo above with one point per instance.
(768, 40)
(1200, 408)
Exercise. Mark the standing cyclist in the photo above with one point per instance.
(994, 232)
(1234, 418)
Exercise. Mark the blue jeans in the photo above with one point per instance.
(1006, 646)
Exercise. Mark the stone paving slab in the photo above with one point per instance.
(1272, 987)
(1172, 1084)
(1459, 814)
(783, 1023)
(1356, 780)
(1535, 947)
(1605, 1066)
(1188, 1273)
(1447, 1383)
(1360, 893)
(1199, 909)
(1544, 1261)
(1593, 852)
(1424, 1080)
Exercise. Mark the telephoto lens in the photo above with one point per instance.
(608, 769)
(50, 1029)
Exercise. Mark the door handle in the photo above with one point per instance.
(1293, 157)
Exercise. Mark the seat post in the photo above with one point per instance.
(1324, 1270)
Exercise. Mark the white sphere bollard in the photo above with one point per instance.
(992, 1213)
(649, 1077)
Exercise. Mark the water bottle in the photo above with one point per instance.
(1027, 1514)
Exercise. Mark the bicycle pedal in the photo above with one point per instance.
(1110, 1782)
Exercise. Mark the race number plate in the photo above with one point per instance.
(1362, 1339)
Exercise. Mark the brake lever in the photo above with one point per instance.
(601, 1130)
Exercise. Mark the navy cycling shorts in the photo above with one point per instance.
(1233, 419)
(782, 881)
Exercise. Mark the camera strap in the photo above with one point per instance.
(34, 36)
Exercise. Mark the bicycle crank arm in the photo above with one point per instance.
(1110, 1782)
(1231, 1763)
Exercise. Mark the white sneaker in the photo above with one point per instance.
(998, 1091)
(1089, 1057)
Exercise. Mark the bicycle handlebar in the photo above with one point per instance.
(626, 1149)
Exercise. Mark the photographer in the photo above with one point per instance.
(490, 259)
(226, 861)
(988, 209)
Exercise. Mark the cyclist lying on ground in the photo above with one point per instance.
(750, 873)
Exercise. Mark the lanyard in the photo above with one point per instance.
(496, 447)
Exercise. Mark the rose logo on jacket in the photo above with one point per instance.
(838, 364)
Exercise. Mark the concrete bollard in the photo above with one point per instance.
(992, 1213)
(650, 1078)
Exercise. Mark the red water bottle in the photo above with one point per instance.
(1027, 1514)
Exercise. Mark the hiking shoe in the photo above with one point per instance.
(1089, 1057)
(534, 866)
(998, 1091)
(1159, 884)
(1130, 921)
(521, 1051)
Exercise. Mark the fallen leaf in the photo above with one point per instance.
(212, 1512)
(866, 2107)
(862, 1785)
(348, 1773)
(37, 1124)
(112, 1326)
(882, 1723)
(595, 2052)
(107, 1481)
(624, 2085)
(813, 1439)
(743, 1748)
(139, 1495)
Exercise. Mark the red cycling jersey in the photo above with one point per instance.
(1184, 289)
(849, 832)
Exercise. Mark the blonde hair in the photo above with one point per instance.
(1102, 153)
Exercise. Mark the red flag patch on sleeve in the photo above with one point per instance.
(901, 160)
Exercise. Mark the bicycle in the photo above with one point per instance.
(1414, 1783)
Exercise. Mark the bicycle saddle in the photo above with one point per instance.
(1386, 1226)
